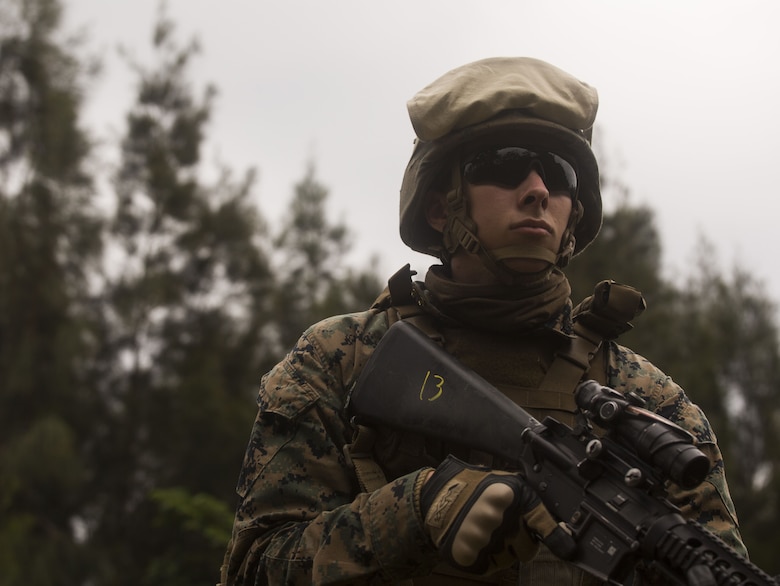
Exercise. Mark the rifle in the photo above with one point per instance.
(608, 490)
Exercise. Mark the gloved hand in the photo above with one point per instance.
(479, 518)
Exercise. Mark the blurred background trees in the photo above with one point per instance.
(137, 316)
(50, 249)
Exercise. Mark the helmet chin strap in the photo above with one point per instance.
(460, 231)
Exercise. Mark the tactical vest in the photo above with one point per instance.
(538, 373)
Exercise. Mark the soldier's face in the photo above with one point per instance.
(528, 214)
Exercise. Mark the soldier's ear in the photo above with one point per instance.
(436, 211)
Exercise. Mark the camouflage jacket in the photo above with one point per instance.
(302, 518)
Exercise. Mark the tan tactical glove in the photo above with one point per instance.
(479, 518)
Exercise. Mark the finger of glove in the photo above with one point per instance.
(540, 521)
(521, 546)
(476, 534)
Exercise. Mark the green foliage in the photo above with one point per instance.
(201, 515)
(41, 475)
(191, 531)
(41, 468)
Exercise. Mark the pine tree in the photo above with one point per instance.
(313, 282)
(186, 311)
(50, 241)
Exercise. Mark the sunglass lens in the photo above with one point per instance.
(508, 167)
(559, 174)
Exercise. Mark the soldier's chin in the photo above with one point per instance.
(529, 266)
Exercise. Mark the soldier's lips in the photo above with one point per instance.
(532, 227)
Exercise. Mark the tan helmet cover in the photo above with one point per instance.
(498, 101)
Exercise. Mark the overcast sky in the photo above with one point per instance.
(689, 92)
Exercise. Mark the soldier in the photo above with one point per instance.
(503, 188)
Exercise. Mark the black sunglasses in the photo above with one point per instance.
(509, 166)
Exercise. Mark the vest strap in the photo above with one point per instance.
(603, 316)
(571, 364)
(360, 454)
(531, 398)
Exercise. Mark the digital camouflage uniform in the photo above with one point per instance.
(302, 518)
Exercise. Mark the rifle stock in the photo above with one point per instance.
(611, 499)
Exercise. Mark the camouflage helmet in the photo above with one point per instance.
(498, 102)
